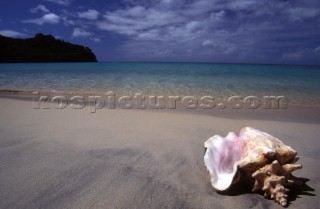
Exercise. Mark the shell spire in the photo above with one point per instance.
(273, 179)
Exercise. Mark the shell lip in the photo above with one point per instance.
(217, 147)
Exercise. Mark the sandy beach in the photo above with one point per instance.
(115, 158)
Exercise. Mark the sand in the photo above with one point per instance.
(119, 158)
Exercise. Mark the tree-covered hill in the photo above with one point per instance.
(42, 48)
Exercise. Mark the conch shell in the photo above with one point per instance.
(254, 156)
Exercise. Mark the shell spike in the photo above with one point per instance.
(289, 168)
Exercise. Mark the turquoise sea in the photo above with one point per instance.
(301, 84)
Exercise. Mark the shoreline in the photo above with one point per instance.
(219, 98)
(293, 113)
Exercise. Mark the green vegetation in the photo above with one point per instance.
(42, 48)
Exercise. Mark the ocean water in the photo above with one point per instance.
(301, 84)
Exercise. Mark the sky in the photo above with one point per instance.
(221, 31)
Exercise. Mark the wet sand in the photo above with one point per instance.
(115, 158)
